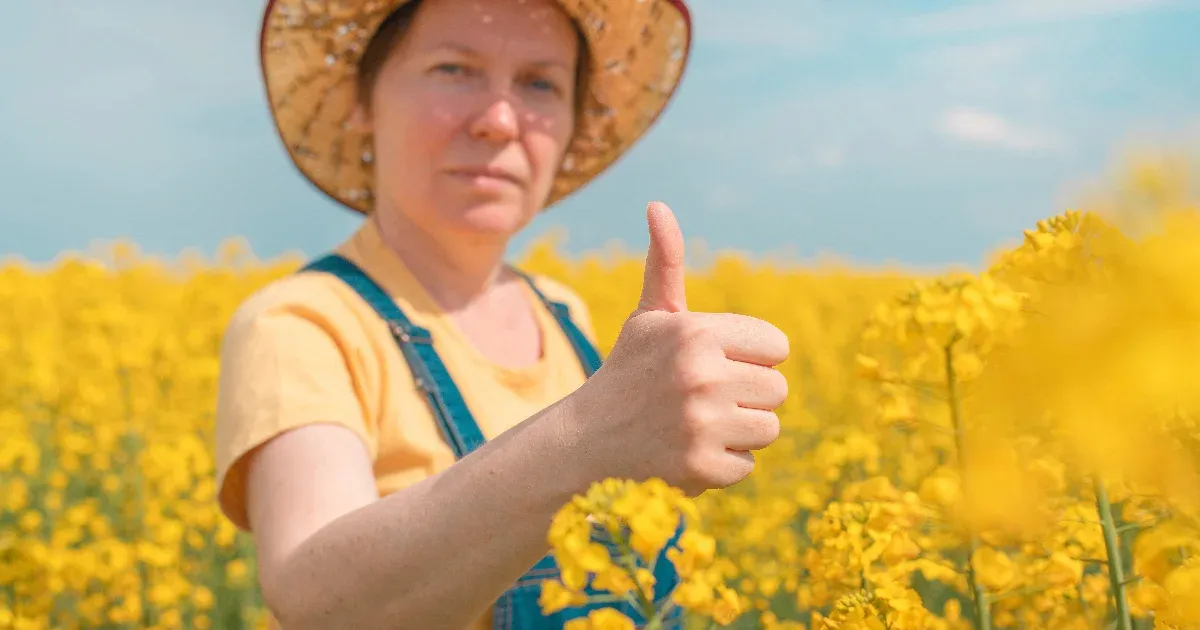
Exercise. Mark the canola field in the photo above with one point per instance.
(1015, 447)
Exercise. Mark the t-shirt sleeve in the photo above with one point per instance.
(283, 366)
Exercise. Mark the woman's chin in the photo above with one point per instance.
(497, 218)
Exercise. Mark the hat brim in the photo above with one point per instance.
(310, 50)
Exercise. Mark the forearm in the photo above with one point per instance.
(437, 554)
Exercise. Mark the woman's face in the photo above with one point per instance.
(472, 113)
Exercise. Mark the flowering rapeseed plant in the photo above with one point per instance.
(1025, 437)
(640, 518)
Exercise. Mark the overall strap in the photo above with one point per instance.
(416, 343)
(449, 408)
(587, 353)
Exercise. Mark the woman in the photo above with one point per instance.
(398, 423)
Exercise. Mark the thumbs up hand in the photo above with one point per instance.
(685, 397)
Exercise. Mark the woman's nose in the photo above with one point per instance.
(498, 122)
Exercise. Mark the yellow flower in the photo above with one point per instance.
(555, 596)
(1062, 569)
(855, 612)
(202, 598)
(695, 550)
(601, 619)
(727, 606)
(1183, 585)
(613, 579)
(993, 568)
(941, 488)
(236, 572)
(693, 595)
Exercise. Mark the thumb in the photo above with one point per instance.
(662, 286)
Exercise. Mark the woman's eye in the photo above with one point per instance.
(449, 68)
(543, 85)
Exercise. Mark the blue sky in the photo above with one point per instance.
(925, 133)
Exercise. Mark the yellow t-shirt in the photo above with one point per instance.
(306, 349)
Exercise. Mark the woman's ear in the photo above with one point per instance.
(359, 121)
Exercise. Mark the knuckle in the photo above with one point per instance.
(695, 331)
(696, 422)
(696, 376)
(694, 468)
(646, 324)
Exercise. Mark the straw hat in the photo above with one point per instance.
(310, 51)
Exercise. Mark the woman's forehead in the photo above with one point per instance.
(537, 28)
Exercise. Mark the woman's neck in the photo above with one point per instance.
(455, 275)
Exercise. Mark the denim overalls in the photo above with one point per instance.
(517, 608)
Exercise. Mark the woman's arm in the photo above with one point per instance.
(684, 397)
(434, 555)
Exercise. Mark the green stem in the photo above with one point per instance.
(628, 561)
(979, 596)
(607, 599)
(1116, 569)
(660, 615)
(1083, 609)
(1133, 526)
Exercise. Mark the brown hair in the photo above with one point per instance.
(391, 32)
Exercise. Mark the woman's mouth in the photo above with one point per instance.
(486, 176)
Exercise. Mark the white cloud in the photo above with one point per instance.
(999, 14)
(830, 157)
(980, 127)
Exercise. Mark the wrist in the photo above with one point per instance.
(565, 442)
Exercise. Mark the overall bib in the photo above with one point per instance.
(517, 608)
